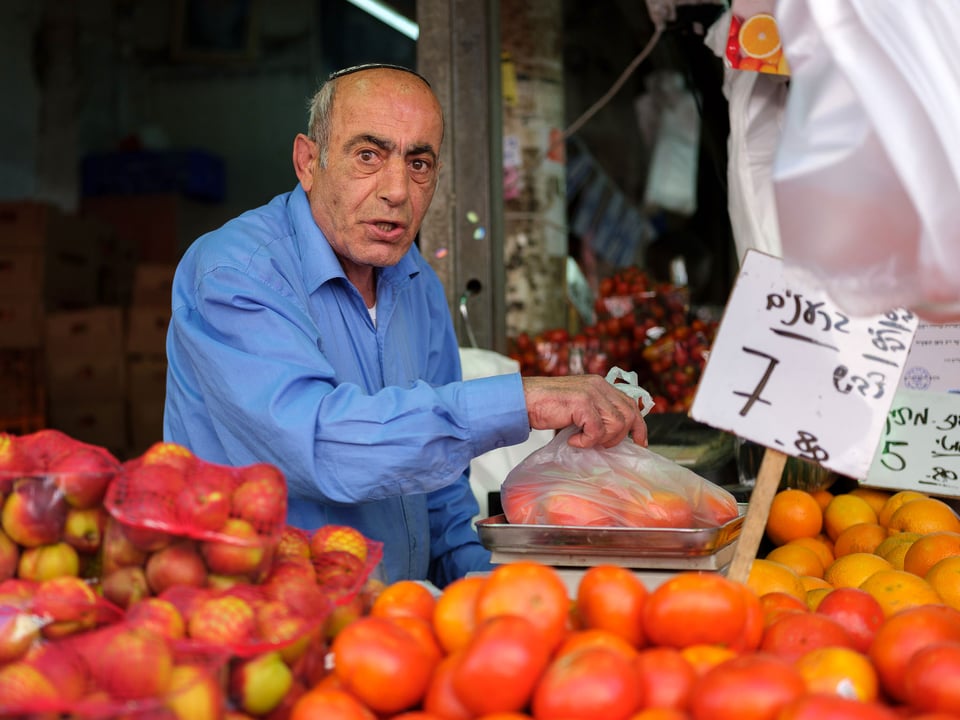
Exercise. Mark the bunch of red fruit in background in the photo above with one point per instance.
(641, 326)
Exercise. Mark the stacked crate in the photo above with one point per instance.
(147, 318)
(49, 261)
(86, 375)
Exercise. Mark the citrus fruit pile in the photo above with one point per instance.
(753, 43)
(517, 644)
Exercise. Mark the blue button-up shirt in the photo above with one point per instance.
(273, 357)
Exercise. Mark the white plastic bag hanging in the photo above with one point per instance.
(867, 174)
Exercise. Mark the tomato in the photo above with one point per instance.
(592, 682)
(835, 707)
(382, 664)
(691, 608)
(857, 610)
(930, 679)
(611, 597)
(903, 634)
(754, 686)
(501, 664)
(441, 699)
(794, 634)
(330, 705)
(664, 677)
(532, 590)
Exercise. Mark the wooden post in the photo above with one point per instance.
(758, 510)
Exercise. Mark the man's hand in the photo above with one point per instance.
(604, 414)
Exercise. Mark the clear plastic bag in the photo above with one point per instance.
(626, 485)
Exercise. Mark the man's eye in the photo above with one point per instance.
(420, 166)
(367, 156)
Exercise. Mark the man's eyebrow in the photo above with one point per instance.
(390, 146)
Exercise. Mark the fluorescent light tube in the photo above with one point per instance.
(389, 16)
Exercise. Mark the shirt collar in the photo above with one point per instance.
(320, 263)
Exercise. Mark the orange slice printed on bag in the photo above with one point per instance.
(759, 36)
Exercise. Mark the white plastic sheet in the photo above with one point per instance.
(867, 173)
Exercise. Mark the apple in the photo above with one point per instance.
(19, 630)
(67, 605)
(24, 686)
(284, 710)
(186, 598)
(83, 528)
(117, 550)
(241, 552)
(34, 512)
(46, 562)
(258, 684)
(343, 614)
(339, 537)
(13, 461)
(84, 474)
(9, 557)
(63, 664)
(296, 589)
(169, 454)
(125, 586)
(177, 564)
(287, 631)
(204, 503)
(261, 497)
(130, 662)
(194, 694)
(339, 573)
(158, 614)
(292, 543)
(227, 621)
(219, 583)
(147, 494)
(148, 539)
(42, 446)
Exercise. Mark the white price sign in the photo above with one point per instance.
(920, 446)
(791, 371)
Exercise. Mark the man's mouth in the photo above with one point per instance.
(385, 226)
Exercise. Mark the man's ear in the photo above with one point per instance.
(304, 159)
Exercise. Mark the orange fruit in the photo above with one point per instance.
(843, 511)
(894, 502)
(875, 497)
(903, 634)
(897, 590)
(407, 598)
(531, 590)
(793, 514)
(811, 582)
(924, 516)
(815, 596)
(769, 576)
(944, 577)
(454, 616)
(759, 36)
(822, 496)
(801, 560)
(838, 671)
(929, 549)
(820, 544)
(611, 597)
(851, 570)
(862, 537)
(894, 548)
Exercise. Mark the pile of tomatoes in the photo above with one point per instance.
(515, 645)
(640, 326)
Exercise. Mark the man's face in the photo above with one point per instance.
(382, 166)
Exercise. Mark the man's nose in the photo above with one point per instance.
(394, 182)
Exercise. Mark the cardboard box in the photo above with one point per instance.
(147, 329)
(23, 404)
(153, 284)
(22, 274)
(146, 379)
(150, 223)
(93, 331)
(146, 425)
(101, 423)
(21, 323)
(74, 377)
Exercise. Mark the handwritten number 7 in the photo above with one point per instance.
(754, 397)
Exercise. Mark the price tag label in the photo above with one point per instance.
(920, 445)
(791, 371)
